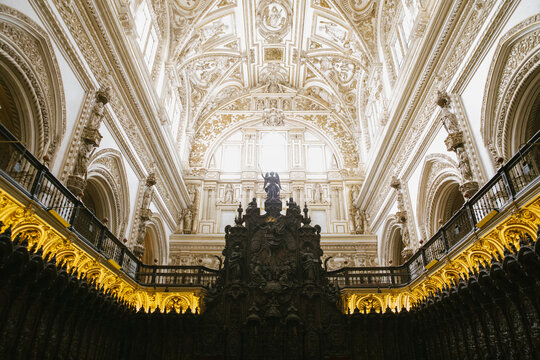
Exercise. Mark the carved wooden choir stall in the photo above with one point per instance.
(272, 300)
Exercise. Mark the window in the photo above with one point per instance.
(315, 159)
(273, 154)
(147, 36)
(231, 158)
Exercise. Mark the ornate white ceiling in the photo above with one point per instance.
(273, 58)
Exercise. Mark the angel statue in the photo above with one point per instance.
(272, 185)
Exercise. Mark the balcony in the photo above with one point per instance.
(34, 182)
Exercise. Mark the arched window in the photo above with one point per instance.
(273, 153)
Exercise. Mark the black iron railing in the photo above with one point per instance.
(512, 179)
(23, 170)
(31, 177)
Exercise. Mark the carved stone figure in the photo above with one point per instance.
(310, 265)
(235, 264)
(192, 190)
(188, 221)
(317, 193)
(450, 121)
(147, 197)
(355, 190)
(272, 185)
(83, 157)
(229, 194)
(359, 221)
(96, 117)
(464, 165)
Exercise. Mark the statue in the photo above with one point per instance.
(229, 194)
(358, 221)
(272, 185)
(464, 165)
(317, 193)
(97, 116)
(86, 150)
(450, 121)
(147, 197)
(188, 221)
(310, 264)
(405, 237)
(354, 192)
(235, 264)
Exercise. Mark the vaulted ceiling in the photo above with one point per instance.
(275, 59)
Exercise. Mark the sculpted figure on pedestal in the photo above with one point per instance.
(229, 194)
(272, 185)
(83, 158)
(188, 221)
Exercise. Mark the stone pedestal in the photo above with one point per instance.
(91, 136)
(454, 140)
(76, 184)
(407, 253)
(468, 189)
(138, 251)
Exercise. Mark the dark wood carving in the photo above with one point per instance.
(272, 301)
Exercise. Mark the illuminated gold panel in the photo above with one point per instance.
(508, 230)
(24, 219)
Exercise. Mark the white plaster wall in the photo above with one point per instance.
(473, 94)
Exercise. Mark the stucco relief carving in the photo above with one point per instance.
(32, 53)
(456, 143)
(402, 219)
(274, 19)
(108, 163)
(516, 55)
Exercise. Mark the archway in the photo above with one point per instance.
(31, 96)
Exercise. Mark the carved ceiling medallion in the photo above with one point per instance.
(274, 19)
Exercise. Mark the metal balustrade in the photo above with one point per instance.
(32, 178)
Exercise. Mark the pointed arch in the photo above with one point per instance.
(108, 190)
(155, 242)
(30, 84)
(511, 105)
(391, 243)
(438, 192)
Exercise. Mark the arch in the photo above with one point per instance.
(30, 80)
(511, 109)
(222, 135)
(392, 243)
(438, 193)
(108, 190)
(155, 242)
